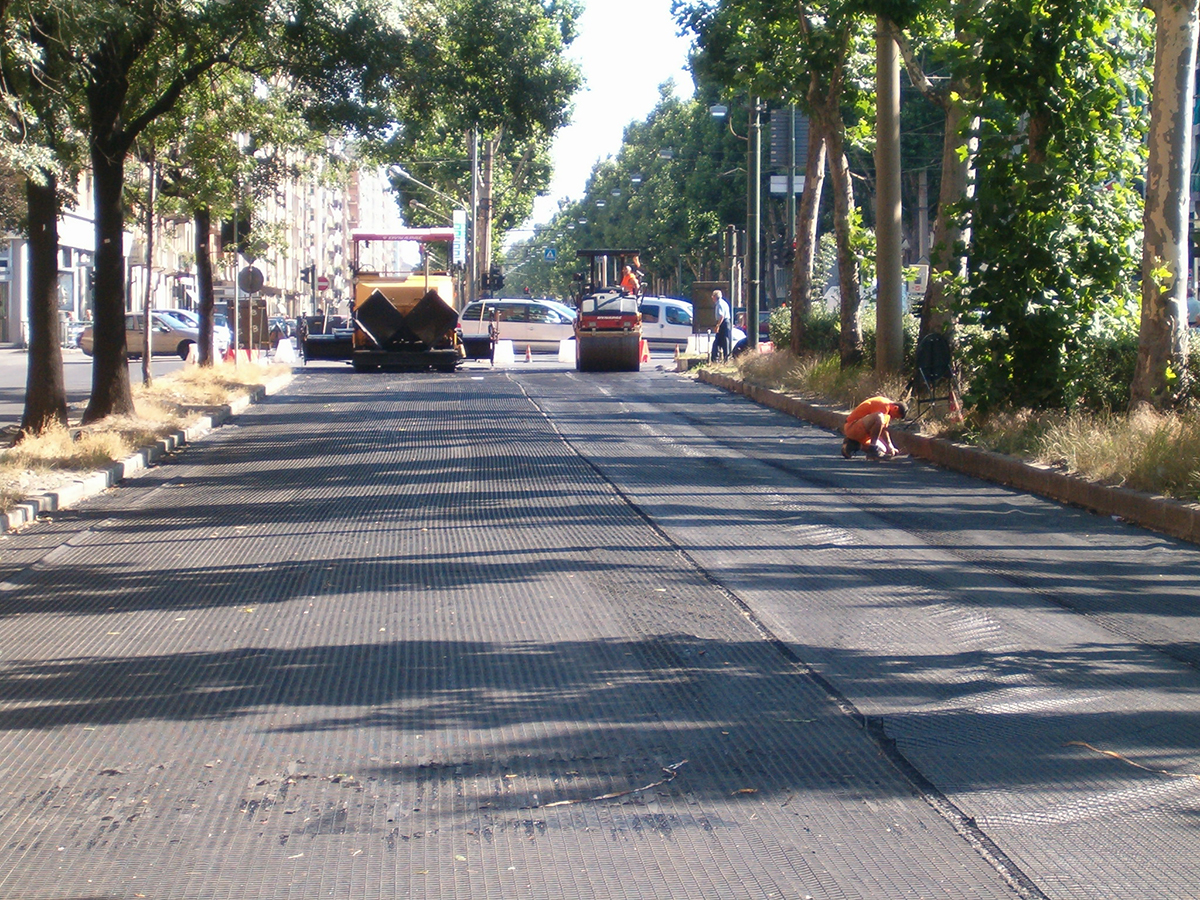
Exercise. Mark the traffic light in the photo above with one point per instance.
(235, 235)
(497, 278)
(306, 274)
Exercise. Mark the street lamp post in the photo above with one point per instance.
(753, 259)
(754, 223)
(407, 176)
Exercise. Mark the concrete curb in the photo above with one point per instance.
(1162, 514)
(73, 492)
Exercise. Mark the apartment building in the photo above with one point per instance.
(307, 221)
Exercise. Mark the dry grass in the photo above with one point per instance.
(169, 404)
(1147, 451)
(816, 377)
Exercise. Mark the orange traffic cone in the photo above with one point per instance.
(645, 357)
(955, 410)
(528, 353)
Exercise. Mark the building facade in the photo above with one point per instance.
(305, 222)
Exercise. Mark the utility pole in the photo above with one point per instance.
(147, 299)
(889, 334)
(754, 222)
(473, 254)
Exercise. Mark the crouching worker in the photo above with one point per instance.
(866, 427)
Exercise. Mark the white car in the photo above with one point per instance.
(666, 323)
(222, 337)
(536, 324)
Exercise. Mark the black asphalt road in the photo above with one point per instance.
(536, 634)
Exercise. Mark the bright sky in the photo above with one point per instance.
(627, 48)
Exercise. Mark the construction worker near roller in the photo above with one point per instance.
(866, 427)
(630, 283)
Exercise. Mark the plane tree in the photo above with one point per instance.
(209, 172)
(809, 54)
(117, 67)
(496, 70)
(39, 151)
(1160, 377)
(1053, 253)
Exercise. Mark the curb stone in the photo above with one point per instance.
(89, 485)
(1162, 514)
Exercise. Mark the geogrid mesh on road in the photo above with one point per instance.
(1036, 664)
(391, 636)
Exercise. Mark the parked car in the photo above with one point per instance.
(168, 335)
(764, 323)
(74, 332)
(666, 322)
(222, 336)
(537, 324)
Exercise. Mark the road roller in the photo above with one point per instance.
(608, 327)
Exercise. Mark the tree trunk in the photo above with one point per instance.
(111, 394)
(45, 391)
(1163, 339)
(202, 219)
(489, 163)
(945, 263)
(889, 229)
(806, 235)
(850, 340)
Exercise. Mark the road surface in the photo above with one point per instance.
(528, 633)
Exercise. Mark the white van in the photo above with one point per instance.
(666, 323)
(536, 324)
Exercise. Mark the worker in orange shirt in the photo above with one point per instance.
(629, 282)
(866, 427)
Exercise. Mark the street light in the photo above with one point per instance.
(753, 211)
(470, 215)
(409, 177)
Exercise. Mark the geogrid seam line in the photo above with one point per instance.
(965, 826)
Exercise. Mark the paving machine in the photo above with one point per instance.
(400, 319)
(608, 326)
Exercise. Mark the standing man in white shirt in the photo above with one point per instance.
(721, 346)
